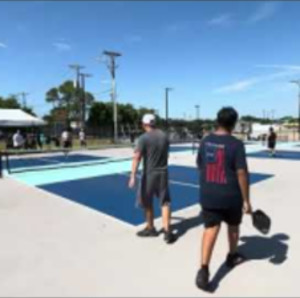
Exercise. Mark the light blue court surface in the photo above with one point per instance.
(104, 188)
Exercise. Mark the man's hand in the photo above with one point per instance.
(132, 181)
(247, 208)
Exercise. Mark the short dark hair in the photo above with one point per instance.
(227, 118)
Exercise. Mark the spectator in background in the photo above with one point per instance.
(18, 140)
(82, 138)
(41, 139)
(272, 138)
(65, 138)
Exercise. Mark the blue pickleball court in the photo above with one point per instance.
(109, 194)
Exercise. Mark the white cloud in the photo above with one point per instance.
(243, 85)
(236, 87)
(264, 11)
(178, 27)
(3, 45)
(221, 20)
(278, 66)
(62, 46)
(133, 39)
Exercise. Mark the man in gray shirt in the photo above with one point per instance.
(153, 148)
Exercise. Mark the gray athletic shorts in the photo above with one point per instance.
(153, 184)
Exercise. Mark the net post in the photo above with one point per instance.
(1, 166)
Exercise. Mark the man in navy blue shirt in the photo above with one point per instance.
(224, 190)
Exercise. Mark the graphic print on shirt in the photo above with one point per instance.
(215, 163)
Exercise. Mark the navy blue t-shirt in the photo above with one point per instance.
(219, 158)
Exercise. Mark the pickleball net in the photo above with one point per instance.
(21, 161)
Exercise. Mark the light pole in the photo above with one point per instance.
(167, 90)
(297, 82)
(112, 67)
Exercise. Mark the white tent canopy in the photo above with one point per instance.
(18, 118)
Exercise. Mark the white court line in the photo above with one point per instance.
(170, 181)
(184, 184)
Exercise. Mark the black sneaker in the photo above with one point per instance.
(235, 259)
(202, 279)
(169, 237)
(147, 233)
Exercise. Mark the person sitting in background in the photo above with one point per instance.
(272, 138)
(18, 140)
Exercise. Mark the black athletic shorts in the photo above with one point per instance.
(153, 184)
(214, 217)
(271, 145)
(67, 144)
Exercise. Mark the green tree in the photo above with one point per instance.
(11, 102)
(67, 97)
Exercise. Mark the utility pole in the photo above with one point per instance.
(112, 68)
(297, 82)
(167, 90)
(76, 68)
(83, 97)
(273, 116)
(197, 107)
(23, 98)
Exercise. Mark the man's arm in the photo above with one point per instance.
(137, 157)
(136, 162)
(243, 178)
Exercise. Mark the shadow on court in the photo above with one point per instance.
(272, 249)
(185, 224)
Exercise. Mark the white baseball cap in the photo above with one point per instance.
(148, 119)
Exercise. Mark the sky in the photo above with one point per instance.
(213, 53)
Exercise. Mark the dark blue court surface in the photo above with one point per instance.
(110, 194)
(23, 162)
(291, 155)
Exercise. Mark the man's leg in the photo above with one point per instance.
(149, 217)
(166, 217)
(210, 235)
(208, 243)
(233, 219)
(233, 238)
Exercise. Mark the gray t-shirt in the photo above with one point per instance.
(154, 147)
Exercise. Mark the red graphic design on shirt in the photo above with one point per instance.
(215, 170)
